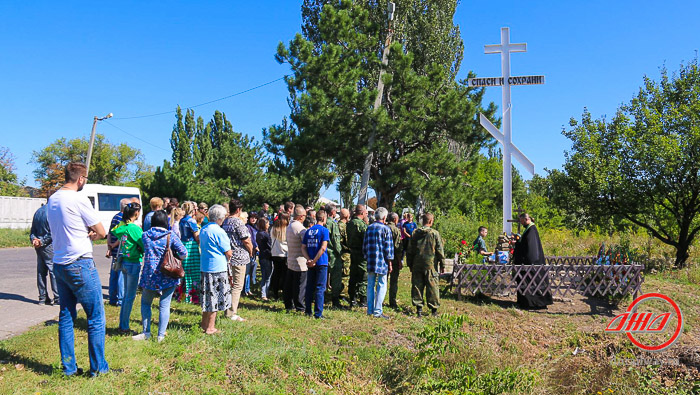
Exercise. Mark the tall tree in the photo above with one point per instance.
(335, 66)
(644, 165)
(111, 164)
(213, 163)
(9, 184)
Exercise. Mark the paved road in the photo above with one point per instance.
(19, 310)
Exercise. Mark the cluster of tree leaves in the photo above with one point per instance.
(427, 135)
(112, 164)
(213, 163)
(643, 166)
(9, 183)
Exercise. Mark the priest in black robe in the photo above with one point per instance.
(528, 251)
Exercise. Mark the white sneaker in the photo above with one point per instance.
(237, 317)
(161, 338)
(142, 336)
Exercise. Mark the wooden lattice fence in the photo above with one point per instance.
(562, 276)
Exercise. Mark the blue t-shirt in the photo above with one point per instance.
(214, 243)
(147, 221)
(188, 227)
(409, 227)
(313, 238)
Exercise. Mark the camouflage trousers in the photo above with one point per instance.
(357, 286)
(428, 281)
(336, 266)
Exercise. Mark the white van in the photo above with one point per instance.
(105, 199)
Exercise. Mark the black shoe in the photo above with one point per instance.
(321, 318)
(49, 302)
(419, 312)
(434, 313)
(79, 372)
(393, 305)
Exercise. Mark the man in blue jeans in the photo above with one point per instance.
(313, 247)
(74, 225)
(378, 250)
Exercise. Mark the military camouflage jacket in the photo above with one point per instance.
(395, 234)
(334, 247)
(425, 250)
(343, 236)
(356, 235)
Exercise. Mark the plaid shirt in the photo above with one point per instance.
(378, 248)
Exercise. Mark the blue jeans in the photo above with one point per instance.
(130, 270)
(316, 279)
(266, 274)
(79, 282)
(116, 287)
(250, 271)
(163, 307)
(375, 298)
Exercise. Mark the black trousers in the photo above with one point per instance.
(279, 270)
(295, 290)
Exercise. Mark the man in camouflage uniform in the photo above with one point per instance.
(343, 226)
(335, 264)
(357, 287)
(397, 263)
(425, 254)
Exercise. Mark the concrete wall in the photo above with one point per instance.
(17, 212)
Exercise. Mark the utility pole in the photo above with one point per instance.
(362, 198)
(92, 139)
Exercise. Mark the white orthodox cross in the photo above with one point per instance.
(505, 48)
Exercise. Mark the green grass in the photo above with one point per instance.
(492, 350)
(14, 238)
(20, 238)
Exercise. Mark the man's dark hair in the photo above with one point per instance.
(289, 206)
(329, 208)
(159, 219)
(482, 228)
(427, 218)
(74, 171)
(234, 205)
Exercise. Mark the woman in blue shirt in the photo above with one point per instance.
(216, 252)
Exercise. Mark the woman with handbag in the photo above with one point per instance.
(156, 282)
(130, 252)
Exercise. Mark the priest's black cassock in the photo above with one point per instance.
(528, 251)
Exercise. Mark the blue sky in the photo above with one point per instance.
(64, 62)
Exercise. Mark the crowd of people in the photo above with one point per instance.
(303, 255)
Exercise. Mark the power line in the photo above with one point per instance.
(205, 103)
(134, 136)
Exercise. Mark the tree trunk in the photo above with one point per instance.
(682, 253)
(386, 200)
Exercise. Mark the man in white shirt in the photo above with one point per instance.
(74, 225)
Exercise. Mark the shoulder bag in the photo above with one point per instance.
(171, 266)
